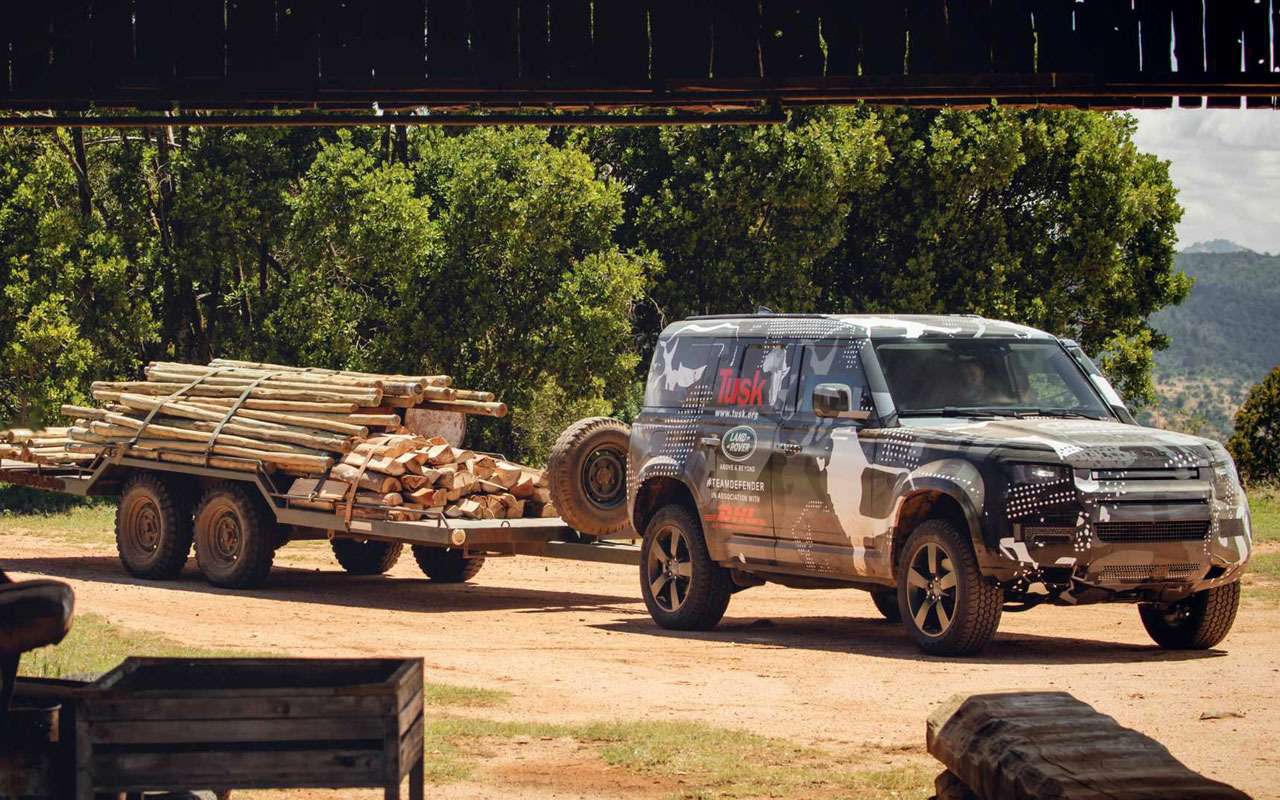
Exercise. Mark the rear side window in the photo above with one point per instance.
(764, 380)
(681, 363)
(835, 363)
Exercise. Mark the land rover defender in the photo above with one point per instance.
(955, 467)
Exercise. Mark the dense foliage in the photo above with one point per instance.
(541, 264)
(1255, 446)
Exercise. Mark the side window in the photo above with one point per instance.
(764, 380)
(835, 363)
(679, 364)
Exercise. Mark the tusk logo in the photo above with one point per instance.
(739, 443)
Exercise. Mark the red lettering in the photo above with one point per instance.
(741, 391)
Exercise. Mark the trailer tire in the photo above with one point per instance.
(587, 469)
(235, 535)
(446, 565)
(153, 528)
(365, 558)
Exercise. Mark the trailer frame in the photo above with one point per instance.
(547, 537)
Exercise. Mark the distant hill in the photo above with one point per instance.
(1217, 246)
(1225, 338)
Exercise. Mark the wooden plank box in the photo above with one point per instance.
(157, 724)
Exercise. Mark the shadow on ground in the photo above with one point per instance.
(878, 638)
(336, 588)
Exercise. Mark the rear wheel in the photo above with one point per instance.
(1197, 623)
(947, 607)
(153, 528)
(886, 601)
(365, 558)
(683, 588)
(446, 565)
(235, 536)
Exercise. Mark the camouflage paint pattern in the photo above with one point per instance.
(1132, 513)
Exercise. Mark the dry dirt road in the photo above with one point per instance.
(571, 642)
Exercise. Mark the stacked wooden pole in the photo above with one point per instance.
(340, 433)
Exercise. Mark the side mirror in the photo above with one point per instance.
(835, 400)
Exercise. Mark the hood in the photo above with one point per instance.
(1081, 443)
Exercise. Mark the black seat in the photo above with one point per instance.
(32, 614)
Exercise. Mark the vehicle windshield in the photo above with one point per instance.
(975, 377)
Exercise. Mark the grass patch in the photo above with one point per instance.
(95, 646)
(708, 761)
(88, 524)
(447, 694)
(1264, 509)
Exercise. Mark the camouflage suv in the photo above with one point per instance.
(955, 467)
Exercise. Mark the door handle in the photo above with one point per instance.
(790, 448)
(709, 441)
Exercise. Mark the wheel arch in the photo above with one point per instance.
(937, 499)
(656, 492)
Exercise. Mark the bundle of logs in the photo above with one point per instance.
(340, 433)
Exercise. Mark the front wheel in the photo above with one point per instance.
(1197, 623)
(886, 601)
(683, 588)
(948, 608)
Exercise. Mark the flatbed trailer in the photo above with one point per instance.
(113, 474)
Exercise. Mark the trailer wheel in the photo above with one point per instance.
(588, 473)
(446, 565)
(366, 558)
(153, 528)
(235, 536)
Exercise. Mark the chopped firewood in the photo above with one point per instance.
(387, 466)
(387, 446)
(489, 487)
(373, 481)
(540, 495)
(388, 499)
(524, 487)
(429, 497)
(329, 490)
(507, 474)
(439, 455)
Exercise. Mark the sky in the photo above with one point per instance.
(1226, 165)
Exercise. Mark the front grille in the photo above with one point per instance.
(1152, 531)
(1150, 573)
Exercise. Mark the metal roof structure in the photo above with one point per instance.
(69, 56)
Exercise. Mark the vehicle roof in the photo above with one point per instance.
(859, 326)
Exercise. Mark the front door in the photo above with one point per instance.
(752, 390)
(820, 467)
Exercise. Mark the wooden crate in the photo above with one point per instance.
(156, 724)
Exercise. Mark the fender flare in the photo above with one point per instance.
(973, 515)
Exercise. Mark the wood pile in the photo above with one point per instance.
(339, 433)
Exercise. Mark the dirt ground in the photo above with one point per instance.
(572, 642)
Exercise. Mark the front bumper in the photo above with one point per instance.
(1116, 539)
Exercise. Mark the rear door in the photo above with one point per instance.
(753, 389)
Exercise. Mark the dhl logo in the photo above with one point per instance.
(731, 514)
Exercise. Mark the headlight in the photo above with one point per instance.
(1038, 473)
(1225, 478)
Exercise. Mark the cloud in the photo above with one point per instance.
(1226, 165)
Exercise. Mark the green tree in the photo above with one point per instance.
(740, 215)
(1050, 218)
(1255, 445)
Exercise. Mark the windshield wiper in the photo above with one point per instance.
(953, 411)
(1055, 412)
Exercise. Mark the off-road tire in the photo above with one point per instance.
(153, 528)
(709, 585)
(978, 604)
(235, 536)
(886, 602)
(365, 558)
(1206, 619)
(588, 474)
(446, 565)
